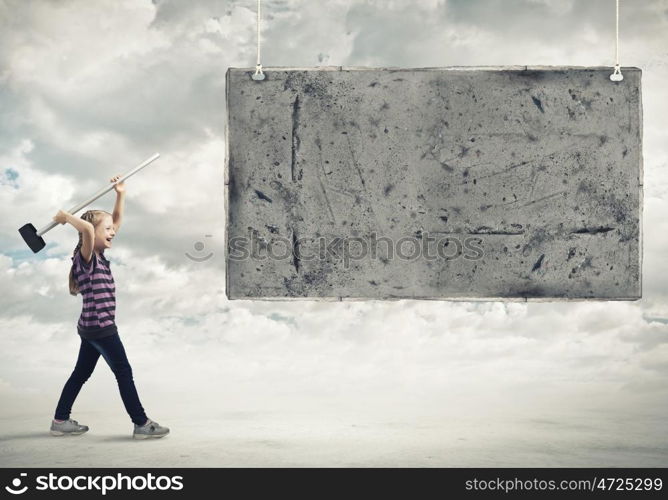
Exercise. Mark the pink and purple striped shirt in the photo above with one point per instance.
(98, 289)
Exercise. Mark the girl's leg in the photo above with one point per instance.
(88, 356)
(113, 352)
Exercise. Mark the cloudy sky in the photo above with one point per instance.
(89, 89)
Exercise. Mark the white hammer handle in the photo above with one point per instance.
(101, 192)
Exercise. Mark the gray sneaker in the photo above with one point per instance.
(150, 430)
(67, 427)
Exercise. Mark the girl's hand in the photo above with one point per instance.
(120, 187)
(61, 217)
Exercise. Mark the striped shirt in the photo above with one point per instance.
(98, 289)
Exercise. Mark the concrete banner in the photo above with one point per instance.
(513, 183)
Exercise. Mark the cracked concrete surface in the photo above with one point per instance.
(514, 183)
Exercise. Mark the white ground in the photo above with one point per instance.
(284, 439)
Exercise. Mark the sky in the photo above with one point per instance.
(90, 89)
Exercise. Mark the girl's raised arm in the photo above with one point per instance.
(117, 214)
(86, 229)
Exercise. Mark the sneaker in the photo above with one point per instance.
(150, 430)
(67, 427)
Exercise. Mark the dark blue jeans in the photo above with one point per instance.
(111, 348)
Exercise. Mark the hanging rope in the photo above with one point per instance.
(617, 76)
(258, 67)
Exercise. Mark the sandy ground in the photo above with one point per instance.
(284, 439)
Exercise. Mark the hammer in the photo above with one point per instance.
(33, 238)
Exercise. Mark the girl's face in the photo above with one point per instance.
(104, 232)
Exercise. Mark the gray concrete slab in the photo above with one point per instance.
(514, 183)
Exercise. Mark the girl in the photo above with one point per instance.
(91, 276)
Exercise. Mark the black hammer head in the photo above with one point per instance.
(29, 234)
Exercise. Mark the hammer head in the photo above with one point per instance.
(29, 234)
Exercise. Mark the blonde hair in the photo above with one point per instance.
(94, 217)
